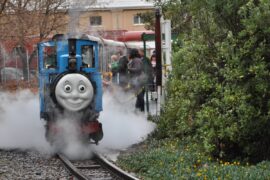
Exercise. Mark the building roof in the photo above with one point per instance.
(123, 4)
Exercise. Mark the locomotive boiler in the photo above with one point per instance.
(70, 86)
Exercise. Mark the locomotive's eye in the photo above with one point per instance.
(82, 88)
(67, 88)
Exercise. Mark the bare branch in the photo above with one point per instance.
(27, 18)
(3, 6)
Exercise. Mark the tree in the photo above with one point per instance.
(219, 91)
(175, 10)
(3, 6)
(26, 20)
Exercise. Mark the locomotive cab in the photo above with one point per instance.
(70, 83)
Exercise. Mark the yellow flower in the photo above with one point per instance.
(220, 161)
(199, 174)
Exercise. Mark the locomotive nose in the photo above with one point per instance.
(74, 97)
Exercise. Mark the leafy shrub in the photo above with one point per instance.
(220, 92)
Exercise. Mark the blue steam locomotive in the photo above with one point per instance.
(70, 85)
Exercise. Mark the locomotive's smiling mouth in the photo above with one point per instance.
(73, 102)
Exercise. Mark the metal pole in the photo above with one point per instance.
(158, 60)
(146, 83)
(37, 71)
(28, 70)
(158, 48)
(16, 67)
(168, 44)
(5, 77)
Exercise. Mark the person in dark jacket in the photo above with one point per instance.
(148, 70)
(154, 71)
(135, 68)
(122, 70)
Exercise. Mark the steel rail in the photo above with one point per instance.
(113, 168)
(75, 171)
(102, 161)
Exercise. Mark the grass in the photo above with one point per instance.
(172, 159)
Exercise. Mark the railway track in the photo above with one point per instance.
(96, 168)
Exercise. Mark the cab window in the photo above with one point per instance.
(49, 55)
(88, 56)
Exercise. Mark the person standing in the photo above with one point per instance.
(154, 71)
(135, 68)
(114, 68)
(123, 70)
(147, 69)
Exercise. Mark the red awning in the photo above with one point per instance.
(133, 35)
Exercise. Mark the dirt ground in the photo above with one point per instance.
(140, 147)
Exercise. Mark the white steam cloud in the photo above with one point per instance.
(72, 147)
(75, 11)
(122, 124)
(21, 127)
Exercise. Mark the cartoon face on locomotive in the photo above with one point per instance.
(70, 85)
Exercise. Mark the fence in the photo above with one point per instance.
(13, 75)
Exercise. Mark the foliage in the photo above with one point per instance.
(172, 159)
(220, 92)
(174, 10)
(148, 19)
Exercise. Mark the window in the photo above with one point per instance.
(49, 54)
(87, 56)
(137, 20)
(95, 20)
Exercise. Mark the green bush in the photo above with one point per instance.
(219, 93)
